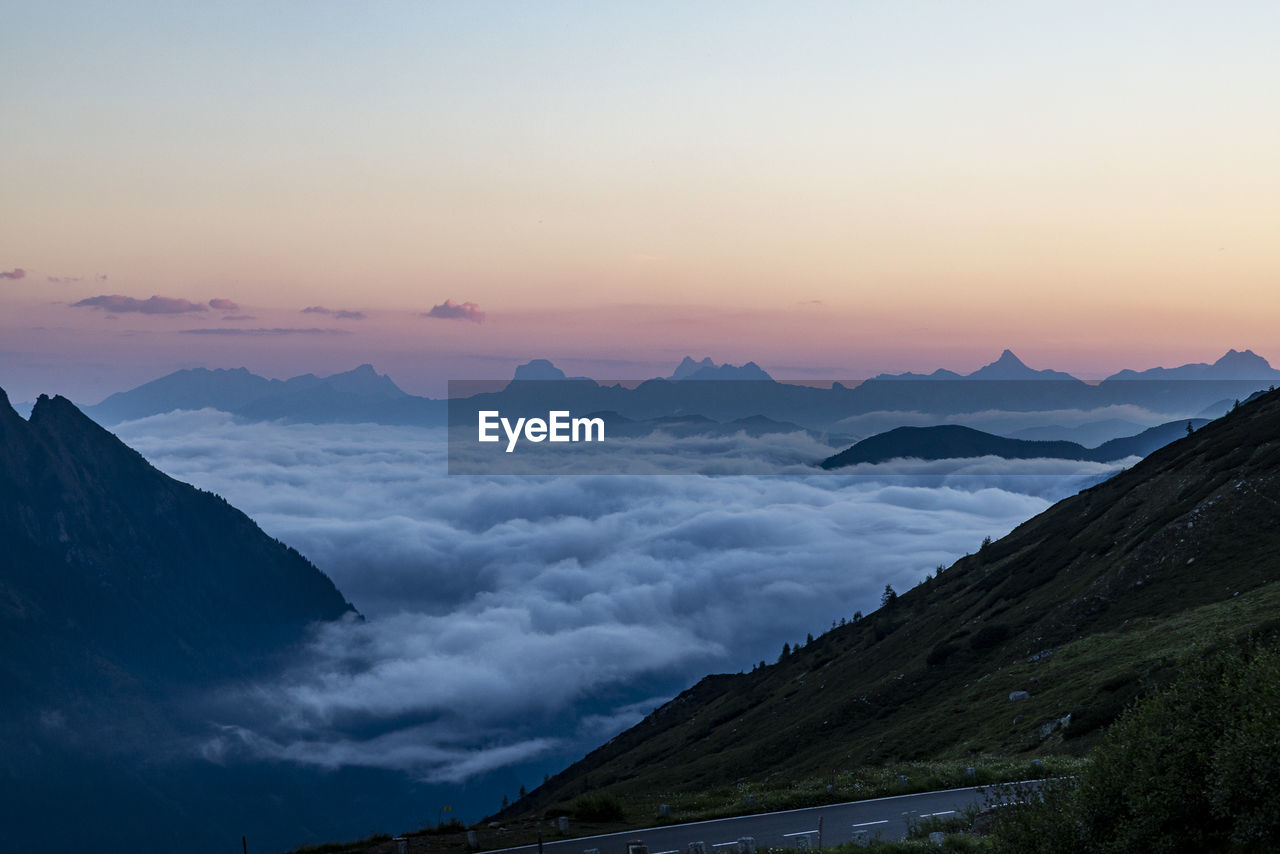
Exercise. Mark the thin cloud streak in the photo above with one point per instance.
(264, 332)
(120, 304)
(340, 314)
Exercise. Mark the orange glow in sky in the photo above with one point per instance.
(828, 189)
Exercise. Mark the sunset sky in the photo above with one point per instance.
(830, 189)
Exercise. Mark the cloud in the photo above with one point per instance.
(223, 304)
(63, 280)
(118, 304)
(238, 317)
(15, 273)
(411, 749)
(528, 619)
(273, 331)
(340, 314)
(450, 310)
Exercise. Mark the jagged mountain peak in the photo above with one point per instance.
(688, 366)
(1242, 358)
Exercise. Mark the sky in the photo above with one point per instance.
(830, 189)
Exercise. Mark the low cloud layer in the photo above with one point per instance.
(222, 304)
(15, 273)
(120, 304)
(512, 619)
(450, 310)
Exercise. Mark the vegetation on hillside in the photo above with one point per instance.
(1195, 767)
(1029, 647)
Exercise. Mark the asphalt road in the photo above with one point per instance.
(884, 817)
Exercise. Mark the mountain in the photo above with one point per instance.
(363, 381)
(1010, 367)
(1027, 646)
(1234, 365)
(358, 395)
(195, 388)
(538, 369)
(749, 371)
(151, 571)
(951, 441)
(1093, 433)
(688, 369)
(946, 442)
(1006, 367)
(137, 612)
(688, 366)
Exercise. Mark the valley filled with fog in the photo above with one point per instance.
(512, 623)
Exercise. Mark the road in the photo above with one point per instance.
(886, 817)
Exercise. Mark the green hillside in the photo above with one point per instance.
(1084, 607)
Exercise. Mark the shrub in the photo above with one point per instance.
(1194, 767)
(601, 807)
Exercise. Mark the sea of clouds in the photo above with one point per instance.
(517, 619)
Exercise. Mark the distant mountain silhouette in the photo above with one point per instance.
(358, 395)
(1091, 433)
(1234, 365)
(542, 369)
(1010, 367)
(688, 369)
(363, 396)
(682, 426)
(1006, 367)
(950, 441)
(749, 371)
(688, 366)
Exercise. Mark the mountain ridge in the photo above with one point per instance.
(1057, 626)
(363, 396)
(954, 441)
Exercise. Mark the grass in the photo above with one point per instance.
(850, 785)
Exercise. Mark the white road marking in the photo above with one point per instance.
(944, 812)
(640, 830)
(800, 833)
(722, 844)
(869, 823)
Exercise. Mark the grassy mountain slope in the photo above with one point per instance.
(1083, 607)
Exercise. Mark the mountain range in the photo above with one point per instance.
(358, 395)
(696, 387)
(1006, 368)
